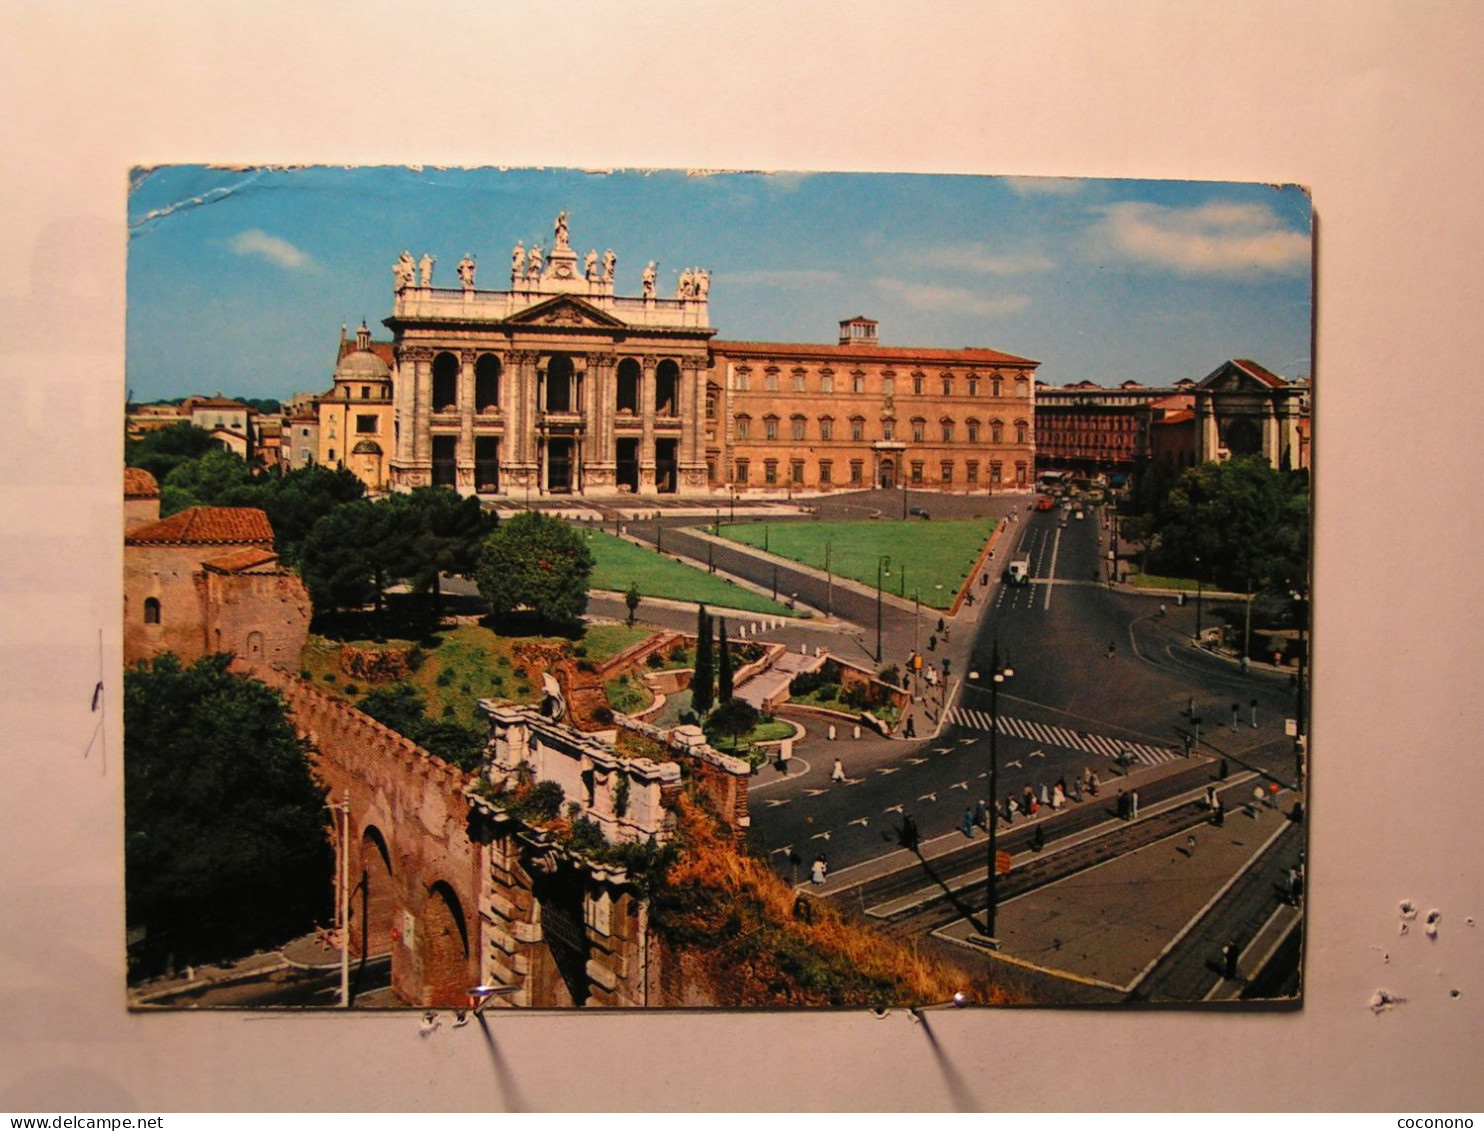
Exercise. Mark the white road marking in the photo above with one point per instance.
(772, 804)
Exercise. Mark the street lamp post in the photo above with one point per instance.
(886, 560)
(1199, 592)
(829, 582)
(997, 676)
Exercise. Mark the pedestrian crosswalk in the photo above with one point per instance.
(1065, 737)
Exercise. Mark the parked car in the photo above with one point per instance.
(1045, 503)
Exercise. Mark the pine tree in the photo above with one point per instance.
(702, 684)
(723, 664)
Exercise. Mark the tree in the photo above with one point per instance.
(535, 562)
(349, 557)
(703, 682)
(631, 599)
(1235, 522)
(402, 707)
(298, 499)
(225, 829)
(443, 533)
(161, 451)
(218, 478)
(723, 664)
(731, 720)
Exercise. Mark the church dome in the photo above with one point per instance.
(362, 365)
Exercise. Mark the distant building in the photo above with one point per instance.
(231, 424)
(207, 580)
(141, 498)
(355, 426)
(299, 445)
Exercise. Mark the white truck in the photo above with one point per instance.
(1018, 572)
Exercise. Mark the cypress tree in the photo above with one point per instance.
(723, 664)
(702, 684)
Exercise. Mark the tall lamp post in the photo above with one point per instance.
(997, 676)
(884, 559)
(1199, 592)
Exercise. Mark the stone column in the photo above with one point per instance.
(646, 410)
(598, 464)
(692, 407)
(464, 454)
(1272, 441)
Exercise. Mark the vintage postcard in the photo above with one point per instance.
(552, 588)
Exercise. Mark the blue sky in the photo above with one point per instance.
(239, 280)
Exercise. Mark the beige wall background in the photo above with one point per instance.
(1374, 105)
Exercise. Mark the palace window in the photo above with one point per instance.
(711, 394)
(1022, 387)
(741, 473)
(919, 429)
(971, 471)
(826, 381)
(151, 610)
(770, 471)
(742, 375)
(826, 473)
(770, 428)
(1020, 473)
(857, 428)
(973, 427)
(945, 472)
(947, 431)
(487, 383)
(888, 429)
(826, 427)
(744, 427)
(917, 471)
(445, 382)
(995, 386)
(996, 432)
(858, 382)
(973, 386)
(948, 386)
(996, 473)
(798, 380)
(857, 472)
(1022, 430)
(770, 381)
(796, 470)
(796, 427)
(889, 385)
(917, 384)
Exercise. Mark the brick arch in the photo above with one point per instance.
(444, 950)
(376, 904)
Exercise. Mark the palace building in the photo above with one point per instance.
(556, 385)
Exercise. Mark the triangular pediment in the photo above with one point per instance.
(1241, 377)
(567, 311)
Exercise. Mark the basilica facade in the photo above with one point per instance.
(556, 385)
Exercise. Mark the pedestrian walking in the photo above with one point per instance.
(969, 823)
(819, 869)
(933, 643)
(1122, 807)
(1058, 797)
(1094, 784)
(1219, 820)
(969, 598)
(1229, 960)
(1076, 789)
(838, 773)
(1254, 714)
(1133, 805)
(1010, 809)
(909, 833)
(1190, 707)
(1045, 797)
(947, 634)
(1189, 742)
(1210, 797)
(980, 817)
(911, 727)
(1038, 840)
(1161, 610)
(942, 624)
(1221, 770)
(1112, 649)
(1236, 709)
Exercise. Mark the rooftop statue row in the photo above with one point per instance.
(529, 266)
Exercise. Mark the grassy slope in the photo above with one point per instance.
(620, 562)
(935, 553)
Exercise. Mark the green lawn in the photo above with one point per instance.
(935, 554)
(620, 562)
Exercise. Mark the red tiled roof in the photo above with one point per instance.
(215, 402)
(207, 526)
(877, 353)
(241, 561)
(1263, 375)
(382, 350)
(1180, 417)
(140, 484)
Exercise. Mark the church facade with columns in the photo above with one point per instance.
(556, 385)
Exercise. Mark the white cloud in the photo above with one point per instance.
(1045, 186)
(956, 300)
(977, 259)
(1213, 239)
(277, 251)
